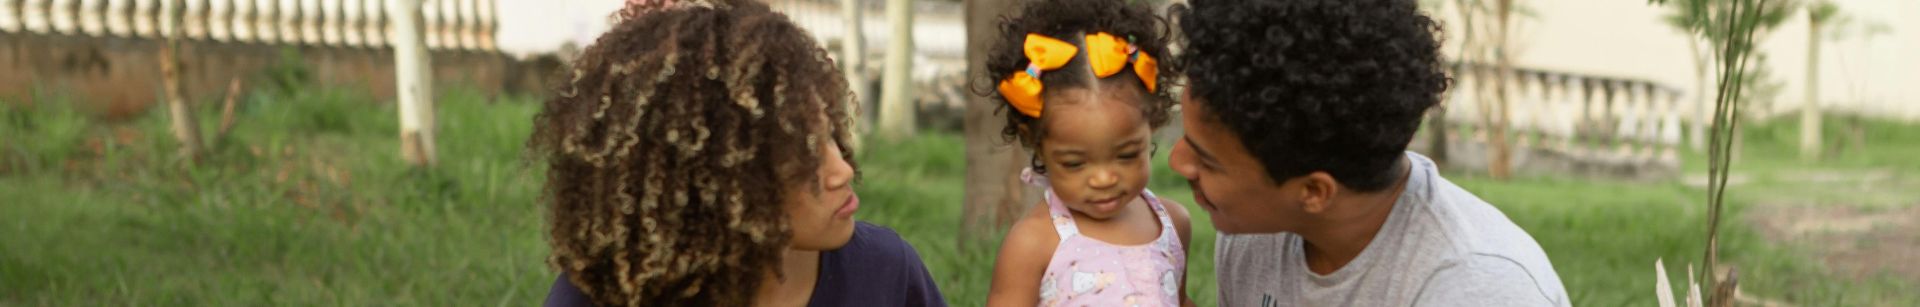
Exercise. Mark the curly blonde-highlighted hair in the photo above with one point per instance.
(671, 147)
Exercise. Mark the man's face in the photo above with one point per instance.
(1228, 181)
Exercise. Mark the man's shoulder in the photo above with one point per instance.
(1471, 224)
(1483, 249)
(1252, 258)
(1493, 280)
(1261, 245)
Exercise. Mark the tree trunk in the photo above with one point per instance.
(853, 54)
(994, 194)
(1437, 129)
(1698, 139)
(1497, 131)
(896, 97)
(1437, 143)
(1810, 112)
(411, 66)
(185, 128)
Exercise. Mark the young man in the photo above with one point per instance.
(1297, 119)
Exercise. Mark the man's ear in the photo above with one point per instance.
(1316, 192)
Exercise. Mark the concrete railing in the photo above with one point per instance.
(450, 24)
(1591, 124)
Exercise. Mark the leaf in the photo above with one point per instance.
(1693, 289)
(1663, 290)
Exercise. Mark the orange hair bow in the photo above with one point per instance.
(1022, 89)
(1106, 54)
(1109, 54)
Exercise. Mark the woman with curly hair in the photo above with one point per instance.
(1297, 116)
(1079, 86)
(695, 159)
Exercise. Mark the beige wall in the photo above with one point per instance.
(1628, 39)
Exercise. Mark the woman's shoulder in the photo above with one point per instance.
(564, 294)
(876, 268)
(874, 244)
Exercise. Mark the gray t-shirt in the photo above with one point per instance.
(1441, 246)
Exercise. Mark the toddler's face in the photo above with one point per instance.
(1096, 149)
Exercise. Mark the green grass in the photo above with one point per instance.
(1603, 238)
(304, 203)
(1847, 173)
(307, 203)
(1773, 145)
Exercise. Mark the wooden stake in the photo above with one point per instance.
(226, 110)
(185, 128)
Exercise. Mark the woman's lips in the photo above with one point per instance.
(848, 208)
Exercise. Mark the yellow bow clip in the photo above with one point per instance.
(1022, 89)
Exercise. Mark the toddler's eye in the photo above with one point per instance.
(1130, 155)
(1071, 164)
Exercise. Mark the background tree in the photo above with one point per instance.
(1707, 39)
(412, 69)
(896, 92)
(853, 54)
(1819, 12)
(1485, 31)
(1826, 23)
(185, 128)
(994, 194)
(1730, 26)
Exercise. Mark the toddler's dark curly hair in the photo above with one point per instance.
(1071, 21)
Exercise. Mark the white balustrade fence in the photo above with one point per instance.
(1621, 120)
(451, 24)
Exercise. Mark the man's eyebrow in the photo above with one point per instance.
(1204, 155)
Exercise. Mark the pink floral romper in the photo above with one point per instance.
(1089, 272)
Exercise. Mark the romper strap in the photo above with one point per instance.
(1062, 218)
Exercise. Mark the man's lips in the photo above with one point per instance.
(1200, 196)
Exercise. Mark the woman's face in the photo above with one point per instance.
(820, 211)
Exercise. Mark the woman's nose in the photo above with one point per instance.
(837, 173)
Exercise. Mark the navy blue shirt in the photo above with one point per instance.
(876, 268)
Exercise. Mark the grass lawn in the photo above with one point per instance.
(306, 203)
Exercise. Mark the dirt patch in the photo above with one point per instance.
(1858, 243)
